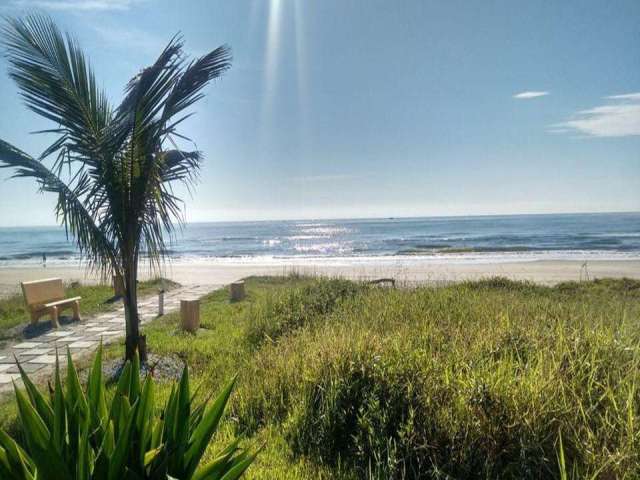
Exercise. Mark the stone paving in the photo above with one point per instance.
(37, 354)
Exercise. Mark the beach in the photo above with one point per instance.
(404, 270)
(545, 249)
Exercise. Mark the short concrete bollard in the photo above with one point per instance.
(190, 314)
(161, 303)
(237, 291)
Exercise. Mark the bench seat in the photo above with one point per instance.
(44, 297)
(61, 302)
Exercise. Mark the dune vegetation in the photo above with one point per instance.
(486, 379)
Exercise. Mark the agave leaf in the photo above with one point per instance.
(124, 382)
(146, 403)
(171, 420)
(76, 406)
(4, 459)
(151, 455)
(122, 391)
(75, 394)
(201, 437)
(36, 433)
(117, 465)
(60, 414)
(196, 415)
(218, 466)
(83, 460)
(96, 391)
(144, 421)
(134, 389)
(37, 399)
(50, 461)
(10, 472)
(169, 416)
(5, 467)
(17, 460)
(182, 416)
(123, 418)
(239, 468)
(105, 452)
(157, 433)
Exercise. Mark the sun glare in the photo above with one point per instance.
(277, 29)
(273, 47)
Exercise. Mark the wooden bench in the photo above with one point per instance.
(44, 297)
(382, 281)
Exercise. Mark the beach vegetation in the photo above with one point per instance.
(472, 380)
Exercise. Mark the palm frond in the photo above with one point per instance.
(180, 165)
(146, 92)
(57, 83)
(91, 239)
(188, 90)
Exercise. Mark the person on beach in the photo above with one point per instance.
(44, 260)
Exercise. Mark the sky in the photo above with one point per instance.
(371, 108)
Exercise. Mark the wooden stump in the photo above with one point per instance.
(190, 314)
(118, 286)
(237, 291)
(161, 303)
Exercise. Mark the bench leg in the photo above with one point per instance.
(54, 317)
(76, 310)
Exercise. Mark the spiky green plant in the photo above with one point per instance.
(113, 168)
(73, 434)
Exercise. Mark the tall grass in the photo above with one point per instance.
(475, 380)
(285, 310)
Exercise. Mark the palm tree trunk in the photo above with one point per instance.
(134, 342)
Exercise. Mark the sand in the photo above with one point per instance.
(410, 270)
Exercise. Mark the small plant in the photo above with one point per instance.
(77, 435)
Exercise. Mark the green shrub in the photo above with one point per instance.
(504, 284)
(76, 435)
(287, 309)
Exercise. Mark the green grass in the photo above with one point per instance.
(95, 298)
(472, 380)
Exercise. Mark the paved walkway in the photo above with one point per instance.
(37, 354)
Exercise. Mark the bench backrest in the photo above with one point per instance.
(42, 291)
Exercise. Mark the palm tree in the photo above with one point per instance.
(111, 169)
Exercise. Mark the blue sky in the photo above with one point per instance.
(344, 108)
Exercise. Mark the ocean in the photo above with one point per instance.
(606, 236)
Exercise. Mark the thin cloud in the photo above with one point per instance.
(626, 96)
(618, 119)
(328, 178)
(76, 5)
(530, 94)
